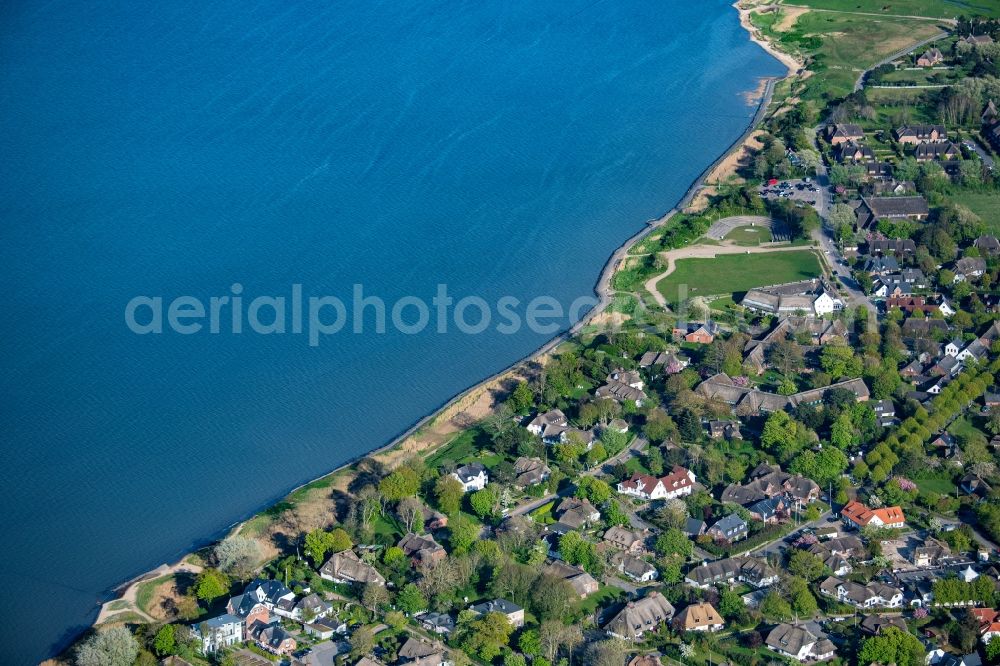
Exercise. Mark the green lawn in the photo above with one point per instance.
(736, 273)
(144, 593)
(464, 446)
(844, 45)
(939, 486)
(749, 235)
(932, 8)
(985, 205)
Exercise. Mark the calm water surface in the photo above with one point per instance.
(178, 147)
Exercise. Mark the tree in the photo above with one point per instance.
(165, 642)
(803, 602)
(238, 556)
(552, 597)
(892, 646)
(411, 512)
(374, 596)
(485, 636)
(530, 643)
(731, 604)
(521, 398)
(593, 489)
(839, 361)
(993, 649)
(614, 514)
(362, 642)
(806, 565)
(110, 647)
(674, 543)
(211, 584)
(609, 652)
(485, 502)
(448, 491)
(404, 482)
(774, 607)
(411, 599)
(317, 545)
(463, 533)
(786, 355)
(340, 540)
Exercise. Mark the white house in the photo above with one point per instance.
(219, 632)
(551, 418)
(472, 476)
(826, 304)
(643, 486)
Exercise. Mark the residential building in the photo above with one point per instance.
(699, 617)
(696, 333)
(583, 583)
(513, 612)
(620, 392)
(472, 476)
(421, 652)
(640, 616)
(873, 209)
(937, 151)
(631, 541)
(917, 134)
(553, 417)
(872, 595)
(677, 483)
(530, 472)
(753, 571)
(438, 623)
(422, 549)
(930, 57)
(796, 642)
(730, 528)
(576, 513)
(347, 567)
(844, 132)
(635, 568)
(218, 633)
(858, 515)
(769, 511)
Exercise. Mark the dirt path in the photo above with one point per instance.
(708, 252)
(843, 11)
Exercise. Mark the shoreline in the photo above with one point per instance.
(602, 289)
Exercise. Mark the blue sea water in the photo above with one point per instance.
(176, 148)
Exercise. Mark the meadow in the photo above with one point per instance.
(736, 273)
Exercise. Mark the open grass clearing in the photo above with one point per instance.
(749, 235)
(931, 8)
(736, 273)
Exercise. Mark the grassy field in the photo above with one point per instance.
(932, 8)
(735, 273)
(985, 205)
(939, 486)
(749, 235)
(843, 45)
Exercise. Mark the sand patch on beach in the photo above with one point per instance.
(789, 15)
(726, 171)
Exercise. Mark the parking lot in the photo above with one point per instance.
(806, 191)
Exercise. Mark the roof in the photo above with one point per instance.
(789, 638)
(496, 606)
(348, 566)
(467, 473)
(551, 417)
(699, 615)
(897, 206)
(729, 524)
(222, 620)
(641, 615)
(860, 514)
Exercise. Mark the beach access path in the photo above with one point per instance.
(709, 252)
